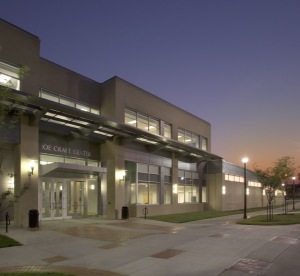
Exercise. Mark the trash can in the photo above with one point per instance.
(125, 213)
(33, 218)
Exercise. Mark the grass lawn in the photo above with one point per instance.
(7, 242)
(278, 219)
(186, 217)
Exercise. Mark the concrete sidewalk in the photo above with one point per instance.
(143, 247)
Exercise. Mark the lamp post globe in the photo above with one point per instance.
(245, 161)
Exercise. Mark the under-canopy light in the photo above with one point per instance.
(4, 78)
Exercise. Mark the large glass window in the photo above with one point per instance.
(141, 121)
(188, 187)
(49, 159)
(167, 185)
(148, 184)
(192, 139)
(9, 76)
(54, 97)
(188, 138)
(167, 130)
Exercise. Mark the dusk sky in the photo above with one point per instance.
(233, 63)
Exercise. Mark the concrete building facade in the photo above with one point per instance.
(100, 149)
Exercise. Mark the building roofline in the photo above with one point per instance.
(19, 28)
(159, 98)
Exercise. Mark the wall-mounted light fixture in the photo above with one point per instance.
(92, 187)
(31, 168)
(121, 175)
(223, 190)
(11, 181)
(175, 189)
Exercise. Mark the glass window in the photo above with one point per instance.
(66, 101)
(9, 76)
(95, 111)
(83, 107)
(93, 163)
(142, 122)
(181, 136)
(167, 193)
(153, 193)
(188, 138)
(153, 169)
(231, 177)
(54, 97)
(148, 184)
(130, 117)
(167, 130)
(195, 191)
(49, 96)
(49, 159)
(180, 193)
(203, 143)
(142, 168)
(188, 187)
(143, 193)
(153, 126)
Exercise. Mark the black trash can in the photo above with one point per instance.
(125, 212)
(33, 218)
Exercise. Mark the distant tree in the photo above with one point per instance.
(272, 178)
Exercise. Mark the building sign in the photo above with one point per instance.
(50, 144)
(65, 151)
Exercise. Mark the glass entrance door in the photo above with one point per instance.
(77, 205)
(52, 203)
(62, 198)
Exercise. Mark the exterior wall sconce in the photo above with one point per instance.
(11, 181)
(121, 175)
(175, 189)
(31, 168)
(223, 190)
(92, 187)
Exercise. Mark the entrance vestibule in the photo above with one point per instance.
(67, 198)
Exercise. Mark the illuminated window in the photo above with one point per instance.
(167, 130)
(9, 76)
(54, 97)
(188, 187)
(142, 121)
(148, 184)
(189, 138)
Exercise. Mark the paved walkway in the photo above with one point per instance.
(143, 247)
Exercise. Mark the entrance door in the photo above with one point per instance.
(62, 199)
(53, 203)
(77, 205)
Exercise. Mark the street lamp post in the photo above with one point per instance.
(293, 192)
(284, 196)
(245, 160)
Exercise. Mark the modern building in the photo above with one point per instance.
(103, 149)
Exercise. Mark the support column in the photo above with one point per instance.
(174, 179)
(27, 150)
(113, 153)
